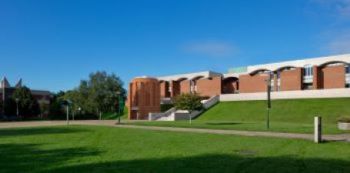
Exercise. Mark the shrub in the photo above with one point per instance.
(188, 102)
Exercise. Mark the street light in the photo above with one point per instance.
(79, 110)
(67, 103)
(268, 82)
(17, 110)
(119, 100)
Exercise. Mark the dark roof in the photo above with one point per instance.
(41, 92)
(34, 92)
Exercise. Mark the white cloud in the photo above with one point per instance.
(211, 48)
(337, 35)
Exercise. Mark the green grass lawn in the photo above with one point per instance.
(107, 149)
(286, 116)
(114, 116)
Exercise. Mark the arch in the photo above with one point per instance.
(284, 68)
(230, 85)
(332, 62)
(230, 78)
(197, 77)
(181, 79)
(263, 70)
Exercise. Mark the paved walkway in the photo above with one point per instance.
(112, 123)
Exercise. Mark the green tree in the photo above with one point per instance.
(56, 110)
(189, 102)
(27, 104)
(98, 94)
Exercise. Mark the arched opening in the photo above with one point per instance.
(181, 79)
(286, 78)
(197, 78)
(230, 85)
(332, 63)
(333, 74)
(193, 84)
(164, 89)
(259, 71)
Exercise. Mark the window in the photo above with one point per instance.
(347, 85)
(308, 70)
(347, 69)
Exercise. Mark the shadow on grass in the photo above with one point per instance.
(216, 163)
(30, 158)
(34, 158)
(10, 132)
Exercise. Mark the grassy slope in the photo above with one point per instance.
(286, 116)
(298, 111)
(105, 149)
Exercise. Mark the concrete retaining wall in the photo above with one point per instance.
(327, 93)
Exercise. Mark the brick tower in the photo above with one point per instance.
(143, 98)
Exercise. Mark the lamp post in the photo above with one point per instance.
(79, 110)
(67, 103)
(268, 82)
(17, 110)
(119, 100)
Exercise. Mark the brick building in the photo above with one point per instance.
(6, 90)
(143, 97)
(306, 74)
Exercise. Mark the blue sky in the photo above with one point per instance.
(54, 44)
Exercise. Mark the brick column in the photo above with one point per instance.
(316, 77)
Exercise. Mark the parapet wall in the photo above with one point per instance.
(304, 94)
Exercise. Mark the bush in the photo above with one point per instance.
(189, 102)
(344, 119)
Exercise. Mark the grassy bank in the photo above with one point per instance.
(286, 116)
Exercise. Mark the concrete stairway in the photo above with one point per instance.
(173, 114)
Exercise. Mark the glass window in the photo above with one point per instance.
(308, 71)
(347, 69)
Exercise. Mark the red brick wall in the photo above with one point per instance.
(291, 79)
(209, 87)
(164, 89)
(175, 88)
(252, 83)
(144, 93)
(185, 86)
(317, 78)
(333, 76)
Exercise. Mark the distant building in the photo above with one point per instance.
(306, 74)
(6, 90)
(313, 74)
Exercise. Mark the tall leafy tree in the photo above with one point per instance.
(27, 104)
(56, 110)
(97, 94)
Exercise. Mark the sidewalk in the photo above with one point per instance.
(112, 123)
